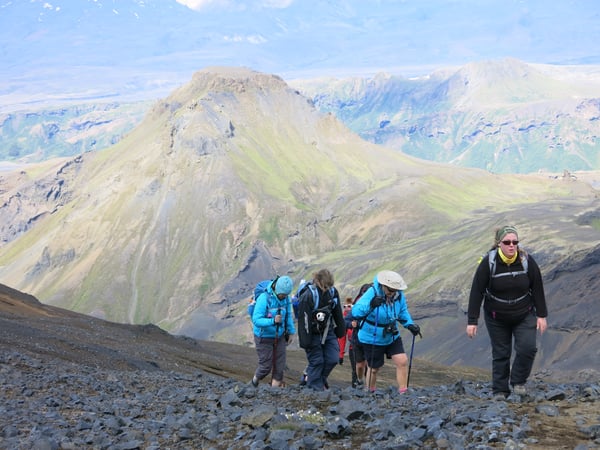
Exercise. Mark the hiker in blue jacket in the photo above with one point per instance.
(273, 322)
(380, 308)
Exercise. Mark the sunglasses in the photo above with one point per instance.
(390, 290)
(510, 242)
(347, 306)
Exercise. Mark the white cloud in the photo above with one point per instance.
(280, 4)
(198, 4)
(235, 4)
(252, 39)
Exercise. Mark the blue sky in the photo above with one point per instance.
(77, 49)
(361, 36)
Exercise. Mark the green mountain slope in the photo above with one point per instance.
(234, 177)
(38, 134)
(503, 116)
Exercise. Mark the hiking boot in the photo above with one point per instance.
(499, 396)
(341, 361)
(254, 381)
(519, 389)
(303, 379)
(402, 391)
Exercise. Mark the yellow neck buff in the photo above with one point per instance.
(507, 260)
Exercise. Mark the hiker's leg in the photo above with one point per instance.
(374, 356)
(401, 362)
(396, 352)
(371, 378)
(316, 361)
(361, 363)
(353, 364)
(342, 347)
(280, 360)
(264, 350)
(525, 349)
(501, 340)
(361, 368)
(331, 350)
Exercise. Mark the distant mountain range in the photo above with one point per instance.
(236, 177)
(502, 116)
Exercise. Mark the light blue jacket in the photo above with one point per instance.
(266, 308)
(372, 330)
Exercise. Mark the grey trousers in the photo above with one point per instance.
(271, 357)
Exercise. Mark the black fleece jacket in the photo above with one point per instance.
(508, 288)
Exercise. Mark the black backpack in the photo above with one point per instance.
(364, 288)
(311, 319)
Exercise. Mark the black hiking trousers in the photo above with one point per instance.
(501, 334)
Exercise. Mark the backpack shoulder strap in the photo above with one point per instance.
(332, 295)
(315, 294)
(492, 261)
(525, 261)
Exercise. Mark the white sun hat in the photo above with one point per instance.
(391, 279)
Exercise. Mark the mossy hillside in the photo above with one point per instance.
(169, 216)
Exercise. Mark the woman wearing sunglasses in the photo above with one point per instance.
(509, 283)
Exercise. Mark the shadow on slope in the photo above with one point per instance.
(47, 332)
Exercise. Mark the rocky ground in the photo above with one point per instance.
(70, 382)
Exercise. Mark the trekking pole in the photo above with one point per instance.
(274, 357)
(352, 346)
(412, 348)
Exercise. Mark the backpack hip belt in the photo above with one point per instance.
(508, 302)
(378, 325)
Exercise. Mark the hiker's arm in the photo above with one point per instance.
(478, 287)
(291, 328)
(259, 317)
(338, 315)
(537, 289)
(403, 315)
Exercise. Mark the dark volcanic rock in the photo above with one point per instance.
(69, 381)
(61, 405)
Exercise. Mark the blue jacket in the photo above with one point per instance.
(372, 330)
(266, 308)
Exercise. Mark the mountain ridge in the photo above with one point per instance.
(504, 116)
(236, 177)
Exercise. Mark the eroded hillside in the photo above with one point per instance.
(235, 177)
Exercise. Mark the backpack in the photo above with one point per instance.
(261, 287)
(492, 262)
(364, 288)
(311, 319)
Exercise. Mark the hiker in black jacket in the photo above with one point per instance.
(320, 324)
(509, 283)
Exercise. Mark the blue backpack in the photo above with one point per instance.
(262, 286)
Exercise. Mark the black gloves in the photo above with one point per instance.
(377, 301)
(415, 330)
